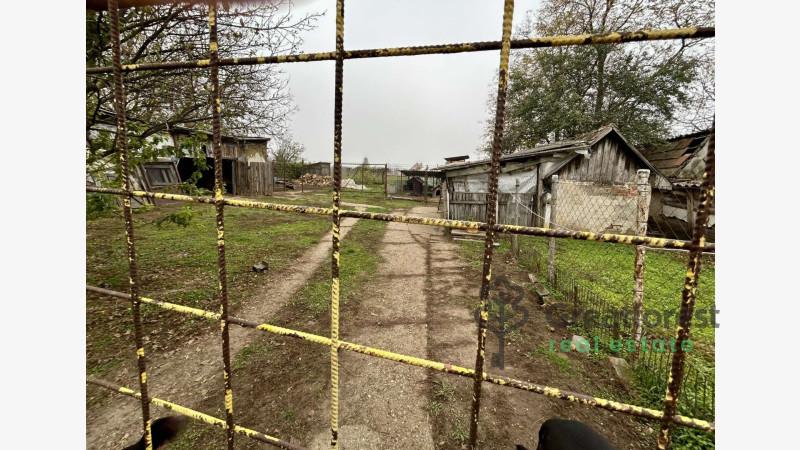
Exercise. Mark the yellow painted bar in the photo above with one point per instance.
(196, 415)
(545, 41)
(425, 363)
(446, 223)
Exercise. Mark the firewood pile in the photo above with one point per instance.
(312, 179)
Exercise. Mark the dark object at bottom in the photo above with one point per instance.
(559, 434)
(163, 430)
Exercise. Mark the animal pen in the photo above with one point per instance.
(667, 417)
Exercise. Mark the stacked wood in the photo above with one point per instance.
(312, 179)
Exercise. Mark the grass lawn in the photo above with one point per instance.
(607, 270)
(179, 264)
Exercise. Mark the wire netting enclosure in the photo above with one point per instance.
(368, 177)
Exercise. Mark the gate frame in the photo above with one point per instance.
(696, 246)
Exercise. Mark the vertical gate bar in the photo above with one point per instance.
(124, 162)
(689, 293)
(502, 82)
(337, 192)
(219, 185)
(642, 208)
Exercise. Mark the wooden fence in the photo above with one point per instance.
(472, 206)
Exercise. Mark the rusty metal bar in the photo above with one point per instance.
(689, 294)
(219, 186)
(642, 213)
(456, 224)
(491, 215)
(335, 244)
(570, 396)
(546, 41)
(196, 415)
(124, 162)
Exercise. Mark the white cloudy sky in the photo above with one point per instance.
(405, 109)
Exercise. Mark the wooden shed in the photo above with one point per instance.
(246, 169)
(682, 161)
(318, 168)
(597, 175)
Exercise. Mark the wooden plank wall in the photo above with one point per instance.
(472, 206)
(254, 179)
(608, 163)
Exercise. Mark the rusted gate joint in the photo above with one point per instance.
(196, 415)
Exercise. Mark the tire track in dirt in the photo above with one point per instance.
(188, 374)
(382, 402)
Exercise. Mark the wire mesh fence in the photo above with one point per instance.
(596, 286)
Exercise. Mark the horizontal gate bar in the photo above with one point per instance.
(197, 415)
(548, 41)
(633, 410)
(457, 224)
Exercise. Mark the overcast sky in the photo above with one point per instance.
(406, 109)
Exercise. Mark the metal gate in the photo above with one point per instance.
(667, 417)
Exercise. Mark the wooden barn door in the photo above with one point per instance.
(252, 179)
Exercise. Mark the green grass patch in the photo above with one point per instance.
(562, 363)
(255, 350)
(358, 262)
(433, 408)
(607, 270)
(442, 390)
(177, 261)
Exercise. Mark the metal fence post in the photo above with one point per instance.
(425, 186)
(302, 168)
(514, 237)
(689, 294)
(488, 248)
(386, 180)
(551, 262)
(124, 162)
(642, 212)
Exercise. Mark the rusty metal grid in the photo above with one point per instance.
(696, 246)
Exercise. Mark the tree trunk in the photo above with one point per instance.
(601, 86)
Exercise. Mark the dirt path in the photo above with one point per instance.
(423, 303)
(187, 374)
(382, 402)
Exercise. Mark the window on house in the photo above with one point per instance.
(161, 174)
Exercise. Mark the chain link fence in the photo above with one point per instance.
(593, 287)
